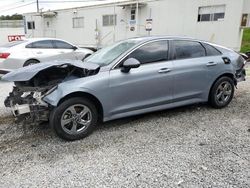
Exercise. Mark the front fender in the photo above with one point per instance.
(61, 91)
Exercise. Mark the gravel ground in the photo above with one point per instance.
(194, 146)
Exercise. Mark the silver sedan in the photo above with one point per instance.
(26, 52)
(130, 77)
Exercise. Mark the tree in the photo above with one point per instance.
(12, 17)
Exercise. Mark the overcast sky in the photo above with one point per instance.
(9, 7)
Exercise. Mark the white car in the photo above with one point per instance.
(26, 52)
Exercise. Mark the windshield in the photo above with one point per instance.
(14, 43)
(108, 54)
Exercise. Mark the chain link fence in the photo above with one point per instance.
(11, 23)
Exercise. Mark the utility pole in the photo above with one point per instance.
(37, 5)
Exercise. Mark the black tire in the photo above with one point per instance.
(58, 114)
(30, 62)
(214, 100)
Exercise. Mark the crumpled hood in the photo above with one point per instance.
(27, 73)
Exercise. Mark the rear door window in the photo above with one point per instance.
(187, 49)
(62, 45)
(151, 52)
(44, 44)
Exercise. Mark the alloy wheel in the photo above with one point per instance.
(224, 92)
(76, 118)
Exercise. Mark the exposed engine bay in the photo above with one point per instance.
(35, 82)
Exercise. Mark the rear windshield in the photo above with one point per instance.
(14, 43)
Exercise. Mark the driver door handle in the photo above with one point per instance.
(209, 64)
(164, 70)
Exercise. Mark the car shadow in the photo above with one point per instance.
(156, 114)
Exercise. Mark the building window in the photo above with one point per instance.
(109, 20)
(31, 25)
(133, 14)
(211, 13)
(78, 22)
(244, 20)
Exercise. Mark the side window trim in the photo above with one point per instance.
(117, 65)
(204, 43)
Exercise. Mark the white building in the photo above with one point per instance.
(218, 21)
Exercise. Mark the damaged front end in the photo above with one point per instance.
(35, 82)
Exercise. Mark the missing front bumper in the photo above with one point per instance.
(30, 113)
(18, 110)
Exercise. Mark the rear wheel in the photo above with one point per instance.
(222, 92)
(30, 62)
(74, 119)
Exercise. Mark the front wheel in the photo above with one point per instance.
(74, 119)
(222, 92)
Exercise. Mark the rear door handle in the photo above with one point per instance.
(39, 52)
(211, 64)
(164, 70)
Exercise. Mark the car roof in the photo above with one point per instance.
(169, 37)
(38, 39)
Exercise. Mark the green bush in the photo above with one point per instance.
(245, 46)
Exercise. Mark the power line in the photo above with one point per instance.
(44, 2)
(68, 1)
(10, 4)
(4, 10)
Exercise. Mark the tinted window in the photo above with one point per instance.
(152, 52)
(62, 45)
(211, 51)
(188, 49)
(41, 44)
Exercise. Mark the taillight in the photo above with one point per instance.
(4, 55)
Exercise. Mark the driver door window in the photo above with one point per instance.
(151, 52)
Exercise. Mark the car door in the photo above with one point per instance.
(191, 66)
(145, 87)
(65, 50)
(42, 50)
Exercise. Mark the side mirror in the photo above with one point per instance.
(130, 63)
(74, 48)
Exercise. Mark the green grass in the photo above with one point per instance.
(248, 71)
(245, 46)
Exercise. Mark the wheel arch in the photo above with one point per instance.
(230, 75)
(85, 56)
(88, 96)
(34, 59)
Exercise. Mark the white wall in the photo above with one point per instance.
(170, 17)
(4, 32)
